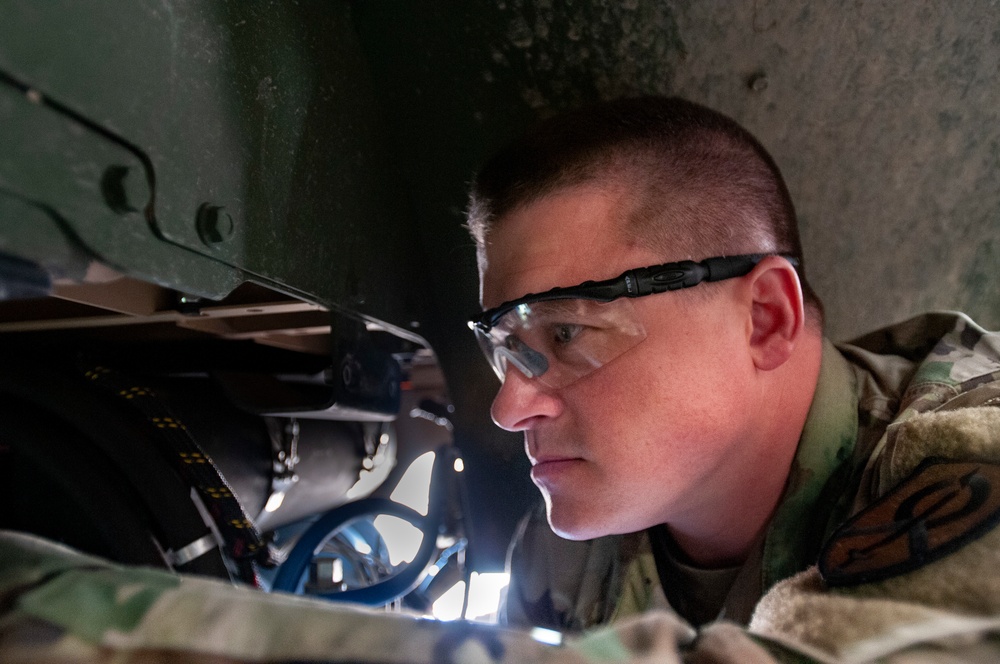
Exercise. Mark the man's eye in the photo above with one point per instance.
(565, 332)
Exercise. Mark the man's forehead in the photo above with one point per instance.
(570, 236)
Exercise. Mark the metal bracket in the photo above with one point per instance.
(285, 445)
(195, 549)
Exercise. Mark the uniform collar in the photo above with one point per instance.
(819, 472)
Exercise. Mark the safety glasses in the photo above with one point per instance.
(563, 334)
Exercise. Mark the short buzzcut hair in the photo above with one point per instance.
(701, 184)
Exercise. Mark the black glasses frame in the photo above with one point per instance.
(637, 282)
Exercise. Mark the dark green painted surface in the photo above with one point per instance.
(260, 111)
(339, 137)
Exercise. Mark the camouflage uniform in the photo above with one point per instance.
(57, 605)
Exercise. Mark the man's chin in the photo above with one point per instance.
(571, 524)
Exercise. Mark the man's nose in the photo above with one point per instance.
(522, 402)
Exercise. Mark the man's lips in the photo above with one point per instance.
(549, 469)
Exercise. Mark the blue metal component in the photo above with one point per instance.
(289, 577)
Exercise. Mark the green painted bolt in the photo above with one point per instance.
(214, 224)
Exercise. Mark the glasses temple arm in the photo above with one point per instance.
(685, 274)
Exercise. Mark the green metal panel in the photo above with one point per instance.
(248, 126)
(86, 192)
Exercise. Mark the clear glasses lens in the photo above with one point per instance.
(560, 341)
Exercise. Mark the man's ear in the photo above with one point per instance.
(777, 314)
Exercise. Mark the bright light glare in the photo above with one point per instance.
(414, 487)
(449, 605)
(402, 538)
(274, 501)
(459, 465)
(549, 636)
(484, 598)
(484, 594)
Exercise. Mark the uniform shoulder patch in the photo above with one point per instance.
(937, 510)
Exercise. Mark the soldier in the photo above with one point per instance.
(695, 438)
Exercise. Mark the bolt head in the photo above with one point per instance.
(214, 224)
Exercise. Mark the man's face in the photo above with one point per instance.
(654, 435)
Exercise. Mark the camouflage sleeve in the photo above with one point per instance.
(58, 606)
